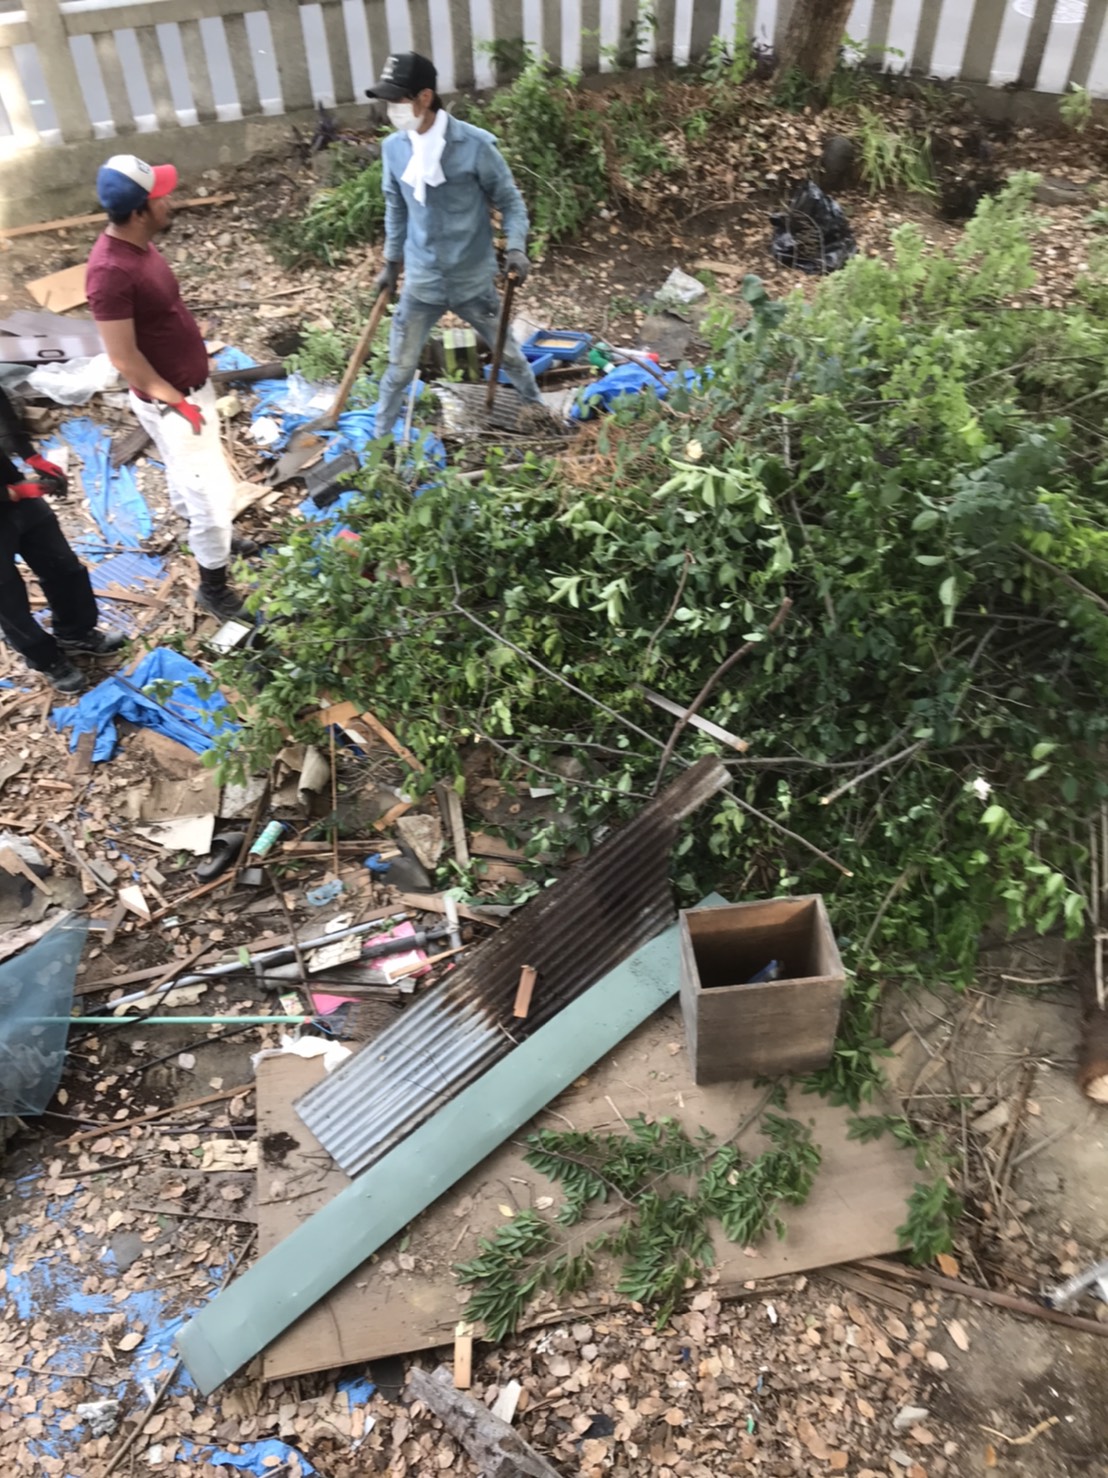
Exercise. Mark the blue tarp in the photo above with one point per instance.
(113, 496)
(128, 572)
(623, 379)
(184, 716)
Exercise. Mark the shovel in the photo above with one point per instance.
(501, 336)
(303, 444)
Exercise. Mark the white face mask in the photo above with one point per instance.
(402, 116)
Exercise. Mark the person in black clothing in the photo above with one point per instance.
(29, 528)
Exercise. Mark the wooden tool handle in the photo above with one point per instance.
(501, 335)
(357, 359)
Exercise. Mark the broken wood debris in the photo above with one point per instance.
(497, 1449)
(527, 976)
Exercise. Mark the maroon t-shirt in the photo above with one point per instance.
(124, 281)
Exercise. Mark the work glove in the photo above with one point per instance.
(189, 412)
(516, 261)
(388, 277)
(46, 469)
(19, 492)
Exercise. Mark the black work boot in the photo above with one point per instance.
(94, 643)
(64, 677)
(243, 547)
(218, 597)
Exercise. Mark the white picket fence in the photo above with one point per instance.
(76, 70)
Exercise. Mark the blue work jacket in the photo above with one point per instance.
(446, 244)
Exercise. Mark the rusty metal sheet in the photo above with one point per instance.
(573, 933)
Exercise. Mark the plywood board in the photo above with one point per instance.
(60, 290)
(856, 1205)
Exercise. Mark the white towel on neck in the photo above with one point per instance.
(425, 165)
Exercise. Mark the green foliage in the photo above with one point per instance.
(922, 471)
(891, 160)
(663, 1237)
(349, 213)
(1075, 107)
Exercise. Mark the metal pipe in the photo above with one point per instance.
(173, 1020)
(265, 957)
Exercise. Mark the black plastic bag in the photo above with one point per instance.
(813, 234)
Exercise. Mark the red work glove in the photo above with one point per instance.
(18, 491)
(191, 414)
(45, 468)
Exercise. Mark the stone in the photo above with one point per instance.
(1053, 190)
(423, 834)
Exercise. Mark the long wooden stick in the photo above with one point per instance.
(694, 707)
(98, 220)
(165, 1113)
(989, 1296)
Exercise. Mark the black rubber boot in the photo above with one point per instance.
(243, 547)
(218, 597)
(64, 677)
(94, 643)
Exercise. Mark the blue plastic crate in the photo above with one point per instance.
(559, 343)
(538, 367)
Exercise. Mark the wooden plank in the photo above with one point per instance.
(242, 64)
(924, 49)
(432, 903)
(60, 290)
(1088, 40)
(705, 25)
(550, 31)
(450, 805)
(196, 65)
(627, 35)
(14, 98)
(419, 18)
(338, 51)
(393, 742)
(111, 74)
(463, 1356)
(984, 33)
(665, 22)
(878, 39)
(527, 977)
(291, 53)
(590, 36)
(157, 78)
(65, 222)
(1037, 37)
(60, 70)
(15, 867)
(377, 24)
(857, 1200)
(131, 17)
(461, 38)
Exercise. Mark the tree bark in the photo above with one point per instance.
(813, 37)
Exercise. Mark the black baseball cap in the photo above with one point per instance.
(403, 76)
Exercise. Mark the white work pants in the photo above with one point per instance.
(202, 484)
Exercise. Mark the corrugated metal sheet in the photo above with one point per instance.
(573, 933)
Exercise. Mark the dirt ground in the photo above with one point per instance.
(108, 1243)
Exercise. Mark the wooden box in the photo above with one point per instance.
(738, 1030)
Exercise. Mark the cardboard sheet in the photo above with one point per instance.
(388, 1307)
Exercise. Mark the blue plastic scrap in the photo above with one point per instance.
(113, 495)
(33, 1030)
(265, 1457)
(625, 379)
(185, 716)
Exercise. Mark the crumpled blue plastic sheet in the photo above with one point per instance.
(46, 1282)
(128, 572)
(36, 997)
(251, 1456)
(185, 716)
(621, 380)
(113, 496)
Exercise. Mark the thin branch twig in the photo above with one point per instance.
(725, 666)
(873, 770)
(668, 617)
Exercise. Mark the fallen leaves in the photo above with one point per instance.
(958, 1334)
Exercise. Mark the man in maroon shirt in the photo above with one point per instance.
(154, 342)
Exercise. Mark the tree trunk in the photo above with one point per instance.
(813, 37)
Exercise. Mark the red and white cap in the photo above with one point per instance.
(126, 183)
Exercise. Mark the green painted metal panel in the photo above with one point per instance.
(272, 1295)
